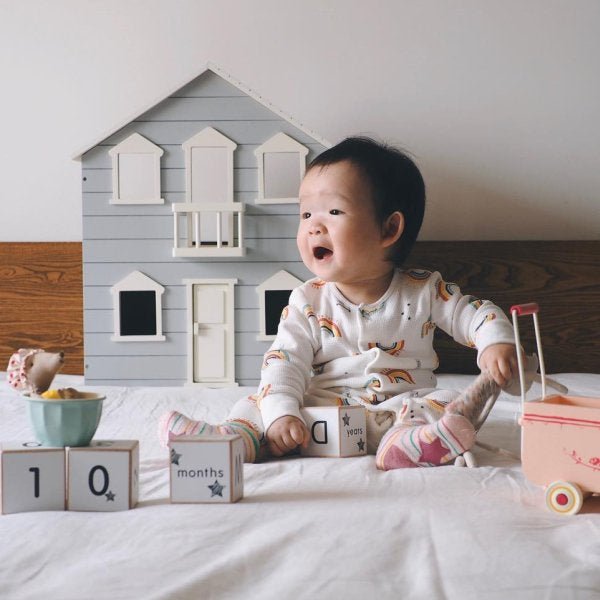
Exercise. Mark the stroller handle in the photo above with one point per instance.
(518, 310)
(525, 309)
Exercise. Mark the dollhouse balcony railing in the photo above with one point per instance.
(187, 240)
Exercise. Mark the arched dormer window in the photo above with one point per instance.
(273, 297)
(136, 171)
(137, 309)
(281, 165)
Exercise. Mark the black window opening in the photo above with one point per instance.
(275, 302)
(137, 311)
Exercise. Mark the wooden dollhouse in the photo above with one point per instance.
(190, 212)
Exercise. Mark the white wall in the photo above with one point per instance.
(498, 100)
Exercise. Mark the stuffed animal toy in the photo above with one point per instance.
(33, 369)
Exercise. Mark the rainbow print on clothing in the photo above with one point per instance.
(489, 317)
(397, 375)
(475, 303)
(275, 355)
(285, 312)
(418, 274)
(395, 349)
(263, 393)
(374, 383)
(445, 290)
(328, 326)
(428, 326)
(309, 311)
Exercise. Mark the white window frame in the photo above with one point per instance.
(280, 142)
(282, 280)
(137, 282)
(136, 144)
(209, 137)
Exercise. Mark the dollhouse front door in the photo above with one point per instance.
(211, 338)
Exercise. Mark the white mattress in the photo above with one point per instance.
(307, 527)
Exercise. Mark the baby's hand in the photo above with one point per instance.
(285, 434)
(501, 361)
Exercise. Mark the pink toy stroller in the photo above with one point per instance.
(560, 436)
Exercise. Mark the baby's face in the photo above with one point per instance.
(339, 237)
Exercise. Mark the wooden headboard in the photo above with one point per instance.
(41, 296)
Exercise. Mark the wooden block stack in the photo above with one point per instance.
(100, 477)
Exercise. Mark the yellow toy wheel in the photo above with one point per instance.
(564, 498)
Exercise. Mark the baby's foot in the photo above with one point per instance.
(173, 424)
(425, 445)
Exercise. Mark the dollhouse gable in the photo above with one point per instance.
(197, 192)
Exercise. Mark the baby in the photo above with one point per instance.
(361, 332)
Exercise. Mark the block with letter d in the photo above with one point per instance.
(32, 477)
(207, 468)
(103, 476)
(336, 431)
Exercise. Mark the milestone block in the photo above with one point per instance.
(103, 476)
(335, 431)
(207, 468)
(32, 477)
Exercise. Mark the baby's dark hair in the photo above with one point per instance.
(395, 180)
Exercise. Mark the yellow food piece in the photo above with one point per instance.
(51, 395)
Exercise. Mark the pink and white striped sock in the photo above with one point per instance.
(174, 424)
(425, 445)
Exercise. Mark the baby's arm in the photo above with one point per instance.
(476, 323)
(285, 377)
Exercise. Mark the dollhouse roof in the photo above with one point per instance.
(218, 71)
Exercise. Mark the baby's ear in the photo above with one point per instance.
(392, 228)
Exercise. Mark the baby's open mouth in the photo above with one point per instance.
(321, 252)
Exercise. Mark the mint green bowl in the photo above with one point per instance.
(68, 422)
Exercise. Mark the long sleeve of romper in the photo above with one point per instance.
(470, 321)
(286, 368)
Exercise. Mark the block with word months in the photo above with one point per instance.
(32, 477)
(207, 468)
(103, 476)
(335, 431)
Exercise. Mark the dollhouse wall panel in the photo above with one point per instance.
(122, 239)
(244, 297)
(245, 342)
(173, 133)
(172, 272)
(151, 369)
(97, 204)
(159, 250)
(261, 227)
(208, 109)
(244, 157)
(100, 180)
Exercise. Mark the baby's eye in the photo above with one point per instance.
(305, 215)
(335, 211)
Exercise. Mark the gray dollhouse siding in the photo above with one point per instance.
(118, 239)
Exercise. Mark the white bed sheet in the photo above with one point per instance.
(307, 527)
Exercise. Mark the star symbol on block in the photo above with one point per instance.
(216, 488)
(433, 452)
(110, 497)
(175, 457)
(361, 445)
(346, 420)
